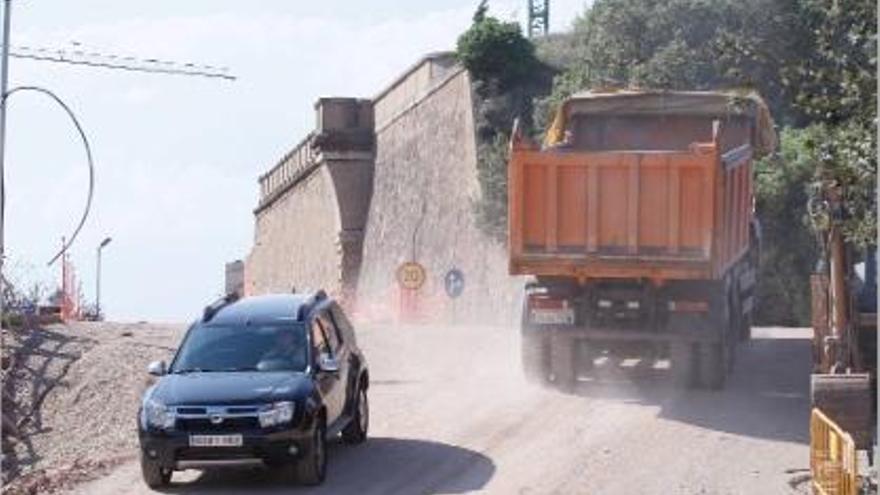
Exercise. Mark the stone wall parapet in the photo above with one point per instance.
(296, 164)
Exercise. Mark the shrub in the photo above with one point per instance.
(496, 52)
(506, 76)
(789, 249)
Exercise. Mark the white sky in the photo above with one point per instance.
(178, 157)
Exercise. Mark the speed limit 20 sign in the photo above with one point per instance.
(411, 275)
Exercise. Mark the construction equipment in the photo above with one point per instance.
(635, 221)
(539, 18)
(844, 307)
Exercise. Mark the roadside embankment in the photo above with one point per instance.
(70, 396)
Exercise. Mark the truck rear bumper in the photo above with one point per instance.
(582, 266)
(696, 332)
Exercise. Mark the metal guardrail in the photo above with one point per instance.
(833, 462)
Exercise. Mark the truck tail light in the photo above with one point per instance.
(689, 306)
(544, 301)
(547, 310)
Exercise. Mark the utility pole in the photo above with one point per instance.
(4, 84)
(98, 279)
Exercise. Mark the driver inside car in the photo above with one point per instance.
(288, 349)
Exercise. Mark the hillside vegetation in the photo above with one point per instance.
(814, 61)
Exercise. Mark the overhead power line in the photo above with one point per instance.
(77, 56)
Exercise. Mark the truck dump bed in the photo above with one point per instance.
(637, 185)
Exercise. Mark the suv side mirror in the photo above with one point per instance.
(157, 368)
(328, 363)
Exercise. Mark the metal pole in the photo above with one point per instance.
(98, 288)
(4, 84)
(98, 279)
(874, 253)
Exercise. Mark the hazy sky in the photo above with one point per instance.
(178, 157)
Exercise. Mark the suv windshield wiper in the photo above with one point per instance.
(187, 370)
(218, 370)
(195, 370)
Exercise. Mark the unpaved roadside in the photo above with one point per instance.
(450, 414)
(72, 392)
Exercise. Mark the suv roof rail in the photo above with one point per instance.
(214, 307)
(310, 303)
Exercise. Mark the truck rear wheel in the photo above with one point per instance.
(745, 331)
(716, 356)
(747, 310)
(682, 356)
(535, 353)
(562, 361)
(585, 355)
(713, 365)
(734, 327)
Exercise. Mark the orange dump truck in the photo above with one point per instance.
(635, 223)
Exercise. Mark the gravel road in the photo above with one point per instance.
(451, 414)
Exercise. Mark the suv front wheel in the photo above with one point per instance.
(356, 430)
(311, 469)
(154, 475)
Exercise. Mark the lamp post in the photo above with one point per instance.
(98, 279)
(4, 82)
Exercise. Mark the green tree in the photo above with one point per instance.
(490, 210)
(506, 76)
(788, 248)
(496, 52)
(686, 44)
(847, 158)
(837, 89)
(838, 81)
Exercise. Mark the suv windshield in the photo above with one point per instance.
(243, 348)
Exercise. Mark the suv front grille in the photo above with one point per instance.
(228, 424)
(217, 419)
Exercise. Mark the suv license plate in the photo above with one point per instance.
(562, 316)
(215, 441)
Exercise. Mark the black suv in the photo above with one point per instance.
(261, 380)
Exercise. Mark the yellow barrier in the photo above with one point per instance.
(833, 461)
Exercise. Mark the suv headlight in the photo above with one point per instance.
(158, 415)
(276, 414)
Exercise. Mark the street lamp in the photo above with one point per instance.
(98, 280)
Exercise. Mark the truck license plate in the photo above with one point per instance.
(215, 441)
(561, 316)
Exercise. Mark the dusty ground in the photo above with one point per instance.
(71, 393)
(450, 414)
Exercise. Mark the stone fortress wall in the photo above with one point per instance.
(378, 183)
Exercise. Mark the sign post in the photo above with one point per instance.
(411, 277)
(453, 283)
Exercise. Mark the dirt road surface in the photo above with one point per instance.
(451, 414)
